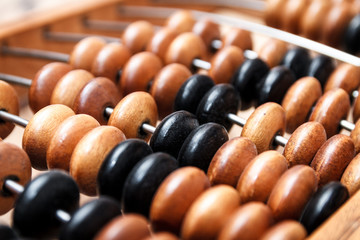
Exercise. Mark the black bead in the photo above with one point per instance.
(35, 209)
(6, 233)
(246, 79)
(144, 180)
(322, 204)
(171, 133)
(118, 164)
(275, 84)
(191, 92)
(201, 145)
(298, 61)
(217, 103)
(320, 68)
(352, 35)
(88, 220)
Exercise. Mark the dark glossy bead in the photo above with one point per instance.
(322, 204)
(191, 92)
(144, 180)
(217, 103)
(201, 145)
(171, 133)
(275, 84)
(35, 211)
(298, 61)
(246, 79)
(118, 164)
(320, 68)
(89, 219)
(352, 35)
(6, 233)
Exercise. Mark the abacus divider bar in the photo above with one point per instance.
(35, 53)
(15, 79)
(74, 37)
(8, 117)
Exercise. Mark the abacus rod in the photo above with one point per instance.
(8, 117)
(35, 53)
(280, 140)
(105, 24)
(347, 125)
(248, 54)
(63, 216)
(15, 79)
(108, 111)
(148, 128)
(355, 94)
(201, 64)
(74, 37)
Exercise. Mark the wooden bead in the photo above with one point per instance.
(239, 38)
(299, 100)
(40, 130)
(286, 230)
(356, 109)
(85, 51)
(137, 35)
(69, 86)
(160, 42)
(209, 213)
(230, 161)
(65, 139)
(350, 178)
(162, 236)
(272, 10)
(89, 153)
(95, 97)
(292, 14)
(139, 72)
(132, 111)
(15, 165)
(355, 136)
(9, 102)
(331, 108)
(260, 176)
(332, 158)
(272, 51)
(345, 76)
(44, 83)
(175, 196)
(208, 31)
(263, 124)
(249, 221)
(181, 21)
(304, 143)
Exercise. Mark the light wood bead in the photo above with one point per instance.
(111, 58)
(209, 213)
(137, 35)
(239, 38)
(355, 136)
(351, 176)
(356, 109)
(15, 165)
(85, 51)
(292, 14)
(40, 130)
(272, 52)
(224, 64)
(132, 111)
(208, 31)
(44, 83)
(263, 124)
(69, 86)
(65, 138)
(260, 176)
(162, 236)
(345, 76)
(181, 21)
(89, 153)
(332, 158)
(285, 230)
(166, 86)
(272, 10)
(9, 102)
(160, 42)
(331, 108)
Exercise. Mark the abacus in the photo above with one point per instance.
(184, 132)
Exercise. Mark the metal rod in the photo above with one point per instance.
(34, 53)
(201, 64)
(8, 117)
(74, 37)
(63, 216)
(148, 128)
(15, 79)
(105, 24)
(347, 125)
(216, 44)
(280, 140)
(250, 54)
(13, 186)
(108, 111)
(236, 119)
(355, 94)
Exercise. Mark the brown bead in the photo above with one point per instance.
(351, 176)
(95, 96)
(239, 38)
(292, 14)
(209, 213)
(230, 161)
(132, 111)
(44, 83)
(249, 222)
(355, 136)
(162, 236)
(129, 226)
(15, 165)
(260, 176)
(89, 153)
(272, 10)
(160, 42)
(224, 64)
(137, 35)
(111, 58)
(69, 86)
(291, 192)
(332, 158)
(175, 196)
(9, 102)
(285, 230)
(263, 124)
(331, 108)
(356, 109)
(272, 52)
(345, 76)
(166, 86)
(39, 131)
(85, 51)
(138, 72)
(181, 21)
(304, 143)
(208, 31)
(65, 138)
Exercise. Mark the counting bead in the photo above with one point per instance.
(330, 162)
(40, 130)
(345, 76)
(356, 109)
(272, 16)
(160, 42)
(137, 35)
(44, 83)
(249, 221)
(162, 236)
(89, 154)
(352, 35)
(230, 161)
(297, 60)
(272, 51)
(320, 68)
(208, 31)
(292, 15)
(260, 176)
(8, 102)
(350, 177)
(181, 21)
(170, 204)
(65, 139)
(238, 37)
(286, 230)
(7, 233)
